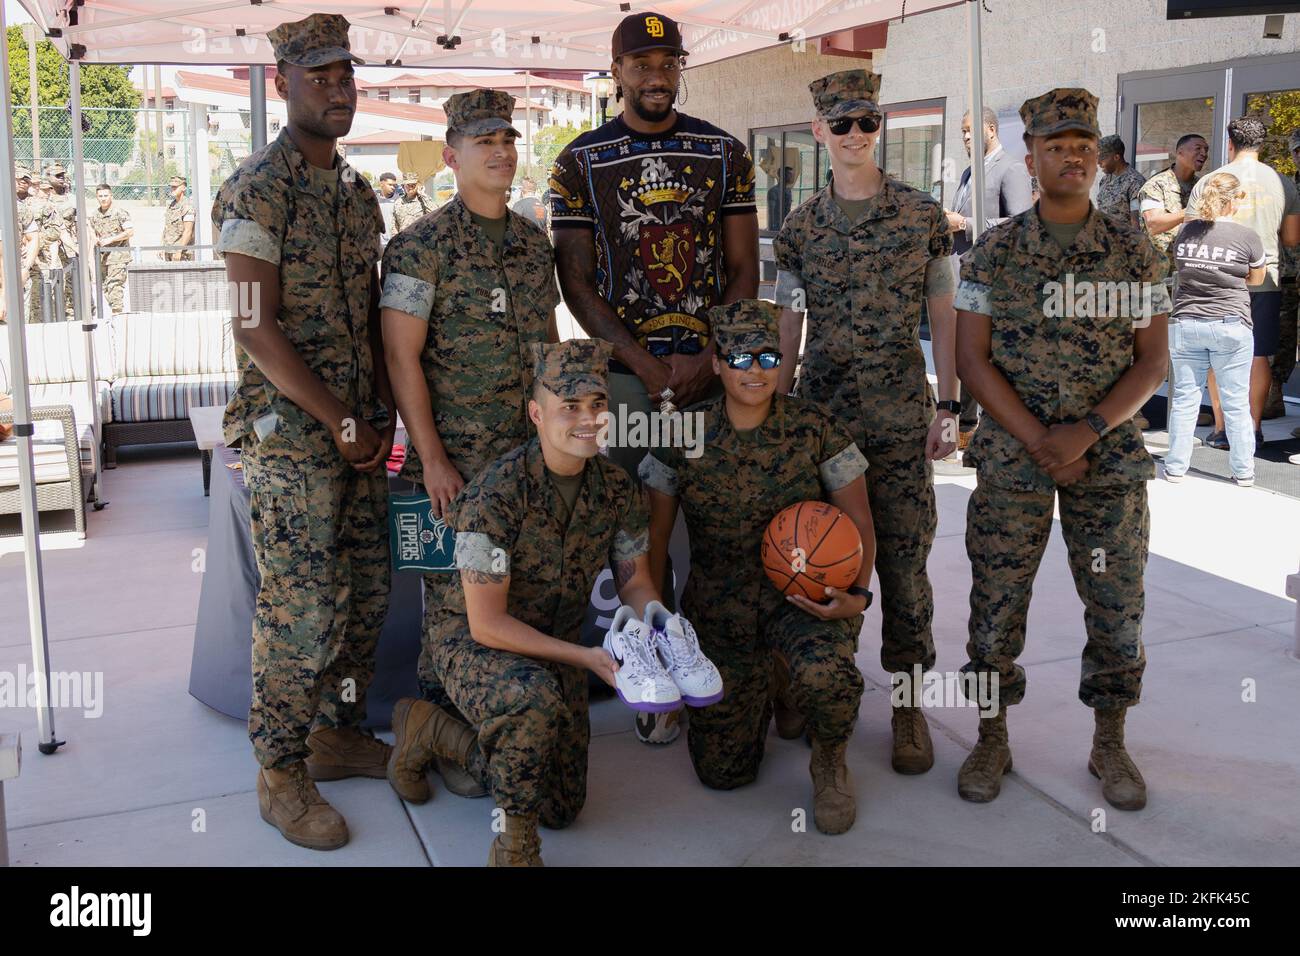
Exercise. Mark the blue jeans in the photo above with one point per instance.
(1195, 346)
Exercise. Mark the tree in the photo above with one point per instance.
(549, 141)
(105, 90)
(1280, 112)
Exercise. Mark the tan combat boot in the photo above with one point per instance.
(339, 752)
(518, 844)
(457, 779)
(835, 806)
(1274, 407)
(980, 778)
(790, 724)
(424, 730)
(913, 749)
(290, 802)
(1121, 781)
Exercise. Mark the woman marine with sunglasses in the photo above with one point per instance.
(762, 452)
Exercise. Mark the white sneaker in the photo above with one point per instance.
(679, 649)
(641, 681)
(1248, 482)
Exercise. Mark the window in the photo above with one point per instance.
(415, 96)
(383, 96)
(568, 101)
(790, 166)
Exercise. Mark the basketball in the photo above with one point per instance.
(809, 547)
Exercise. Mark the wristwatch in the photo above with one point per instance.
(1097, 423)
(950, 405)
(860, 591)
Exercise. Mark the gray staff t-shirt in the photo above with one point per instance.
(1214, 259)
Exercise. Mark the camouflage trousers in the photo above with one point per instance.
(532, 721)
(727, 739)
(435, 588)
(1283, 363)
(1106, 530)
(320, 536)
(115, 284)
(900, 487)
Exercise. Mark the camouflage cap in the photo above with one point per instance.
(177, 181)
(1061, 109)
(21, 171)
(410, 177)
(1110, 145)
(57, 170)
(480, 111)
(848, 91)
(320, 39)
(574, 368)
(748, 325)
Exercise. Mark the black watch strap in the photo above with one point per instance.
(1097, 423)
(859, 591)
(950, 405)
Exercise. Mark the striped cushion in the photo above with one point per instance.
(49, 456)
(160, 398)
(159, 344)
(56, 352)
(74, 394)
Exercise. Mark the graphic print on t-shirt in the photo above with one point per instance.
(656, 203)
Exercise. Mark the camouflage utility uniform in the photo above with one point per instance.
(319, 527)
(1060, 367)
(531, 715)
(485, 307)
(729, 494)
(863, 284)
(179, 212)
(1172, 194)
(1120, 194)
(409, 209)
(114, 258)
(1283, 363)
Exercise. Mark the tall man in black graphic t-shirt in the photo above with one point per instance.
(654, 222)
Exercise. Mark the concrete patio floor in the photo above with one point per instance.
(1223, 773)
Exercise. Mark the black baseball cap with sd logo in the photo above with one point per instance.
(647, 31)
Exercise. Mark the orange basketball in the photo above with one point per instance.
(809, 547)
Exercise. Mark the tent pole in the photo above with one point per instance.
(976, 118)
(82, 282)
(23, 421)
(257, 104)
(202, 178)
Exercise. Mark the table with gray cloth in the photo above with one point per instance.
(221, 670)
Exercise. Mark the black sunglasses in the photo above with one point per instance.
(868, 124)
(745, 360)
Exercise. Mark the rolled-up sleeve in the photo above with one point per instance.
(248, 238)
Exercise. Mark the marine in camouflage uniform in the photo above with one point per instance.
(414, 204)
(319, 525)
(1060, 367)
(1283, 363)
(1118, 194)
(729, 494)
(65, 208)
(27, 226)
(484, 307)
(862, 284)
(1170, 194)
(49, 253)
(529, 718)
(179, 212)
(114, 259)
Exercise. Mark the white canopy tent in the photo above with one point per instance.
(456, 34)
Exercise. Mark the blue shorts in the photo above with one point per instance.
(1266, 318)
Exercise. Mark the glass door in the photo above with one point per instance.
(1155, 111)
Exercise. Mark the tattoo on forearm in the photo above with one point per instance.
(623, 572)
(481, 577)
